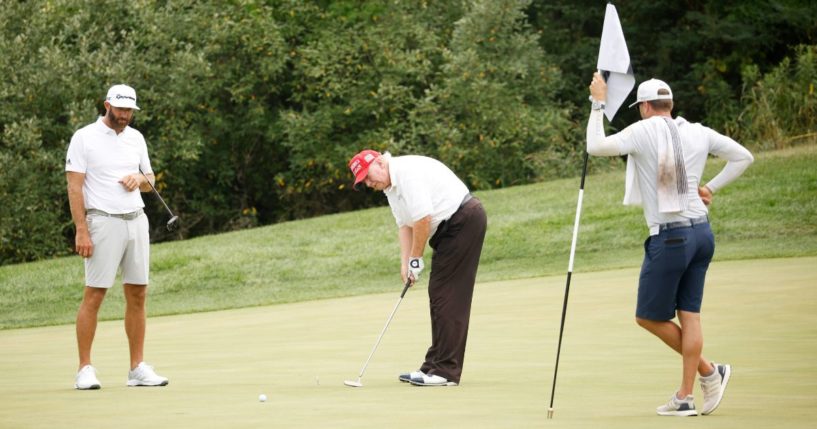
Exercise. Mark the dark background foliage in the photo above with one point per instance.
(251, 109)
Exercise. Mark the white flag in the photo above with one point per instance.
(614, 63)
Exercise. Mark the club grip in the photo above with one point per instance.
(405, 288)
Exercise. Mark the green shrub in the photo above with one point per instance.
(252, 108)
(780, 107)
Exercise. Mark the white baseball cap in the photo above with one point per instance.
(648, 91)
(122, 96)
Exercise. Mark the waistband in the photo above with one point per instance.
(686, 223)
(443, 226)
(124, 216)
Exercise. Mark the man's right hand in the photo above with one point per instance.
(598, 88)
(84, 246)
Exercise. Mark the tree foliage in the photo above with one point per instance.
(251, 108)
(699, 47)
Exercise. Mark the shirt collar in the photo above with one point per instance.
(106, 129)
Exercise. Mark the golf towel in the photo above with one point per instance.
(671, 183)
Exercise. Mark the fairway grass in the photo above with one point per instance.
(759, 315)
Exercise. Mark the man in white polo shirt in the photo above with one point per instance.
(666, 160)
(102, 167)
(430, 204)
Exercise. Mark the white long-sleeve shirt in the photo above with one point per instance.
(638, 142)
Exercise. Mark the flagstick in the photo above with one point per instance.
(567, 285)
(614, 25)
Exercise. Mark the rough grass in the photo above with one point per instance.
(769, 212)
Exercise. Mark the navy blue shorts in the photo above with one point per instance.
(673, 272)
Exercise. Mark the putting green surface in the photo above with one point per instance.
(758, 315)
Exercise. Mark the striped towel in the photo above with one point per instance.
(672, 175)
(672, 178)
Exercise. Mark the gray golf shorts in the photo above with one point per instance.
(673, 272)
(118, 245)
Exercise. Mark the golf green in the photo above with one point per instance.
(758, 315)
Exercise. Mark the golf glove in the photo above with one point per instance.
(415, 267)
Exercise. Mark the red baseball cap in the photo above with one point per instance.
(359, 164)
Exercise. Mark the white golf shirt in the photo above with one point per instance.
(105, 158)
(638, 141)
(422, 186)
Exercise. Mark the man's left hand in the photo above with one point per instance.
(131, 182)
(415, 267)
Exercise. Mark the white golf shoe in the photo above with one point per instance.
(432, 380)
(678, 407)
(86, 379)
(406, 377)
(714, 385)
(143, 375)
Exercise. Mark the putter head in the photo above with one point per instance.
(351, 383)
(173, 224)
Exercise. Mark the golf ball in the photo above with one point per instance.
(262, 398)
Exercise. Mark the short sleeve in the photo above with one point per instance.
(144, 160)
(75, 158)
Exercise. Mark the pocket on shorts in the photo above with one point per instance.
(94, 222)
(674, 248)
(675, 241)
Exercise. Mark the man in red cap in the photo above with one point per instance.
(430, 204)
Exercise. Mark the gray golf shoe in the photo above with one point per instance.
(678, 407)
(714, 386)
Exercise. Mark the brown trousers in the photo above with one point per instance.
(457, 247)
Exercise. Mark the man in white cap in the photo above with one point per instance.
(431, 204)
(102, 167)
(666, 160)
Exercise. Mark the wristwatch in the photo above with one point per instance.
(596, 105)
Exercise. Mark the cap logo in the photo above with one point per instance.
(118, 96)
(355, 166)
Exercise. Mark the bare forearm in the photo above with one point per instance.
(77, 210)
(420, 233)
(405, 235)
(146, 185)
(76, 202)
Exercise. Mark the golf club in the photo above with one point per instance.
(172, 224)
(357, 383)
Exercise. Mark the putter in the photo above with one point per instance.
(352, 383)
(172, 224)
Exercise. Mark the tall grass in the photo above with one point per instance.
(770, 212)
